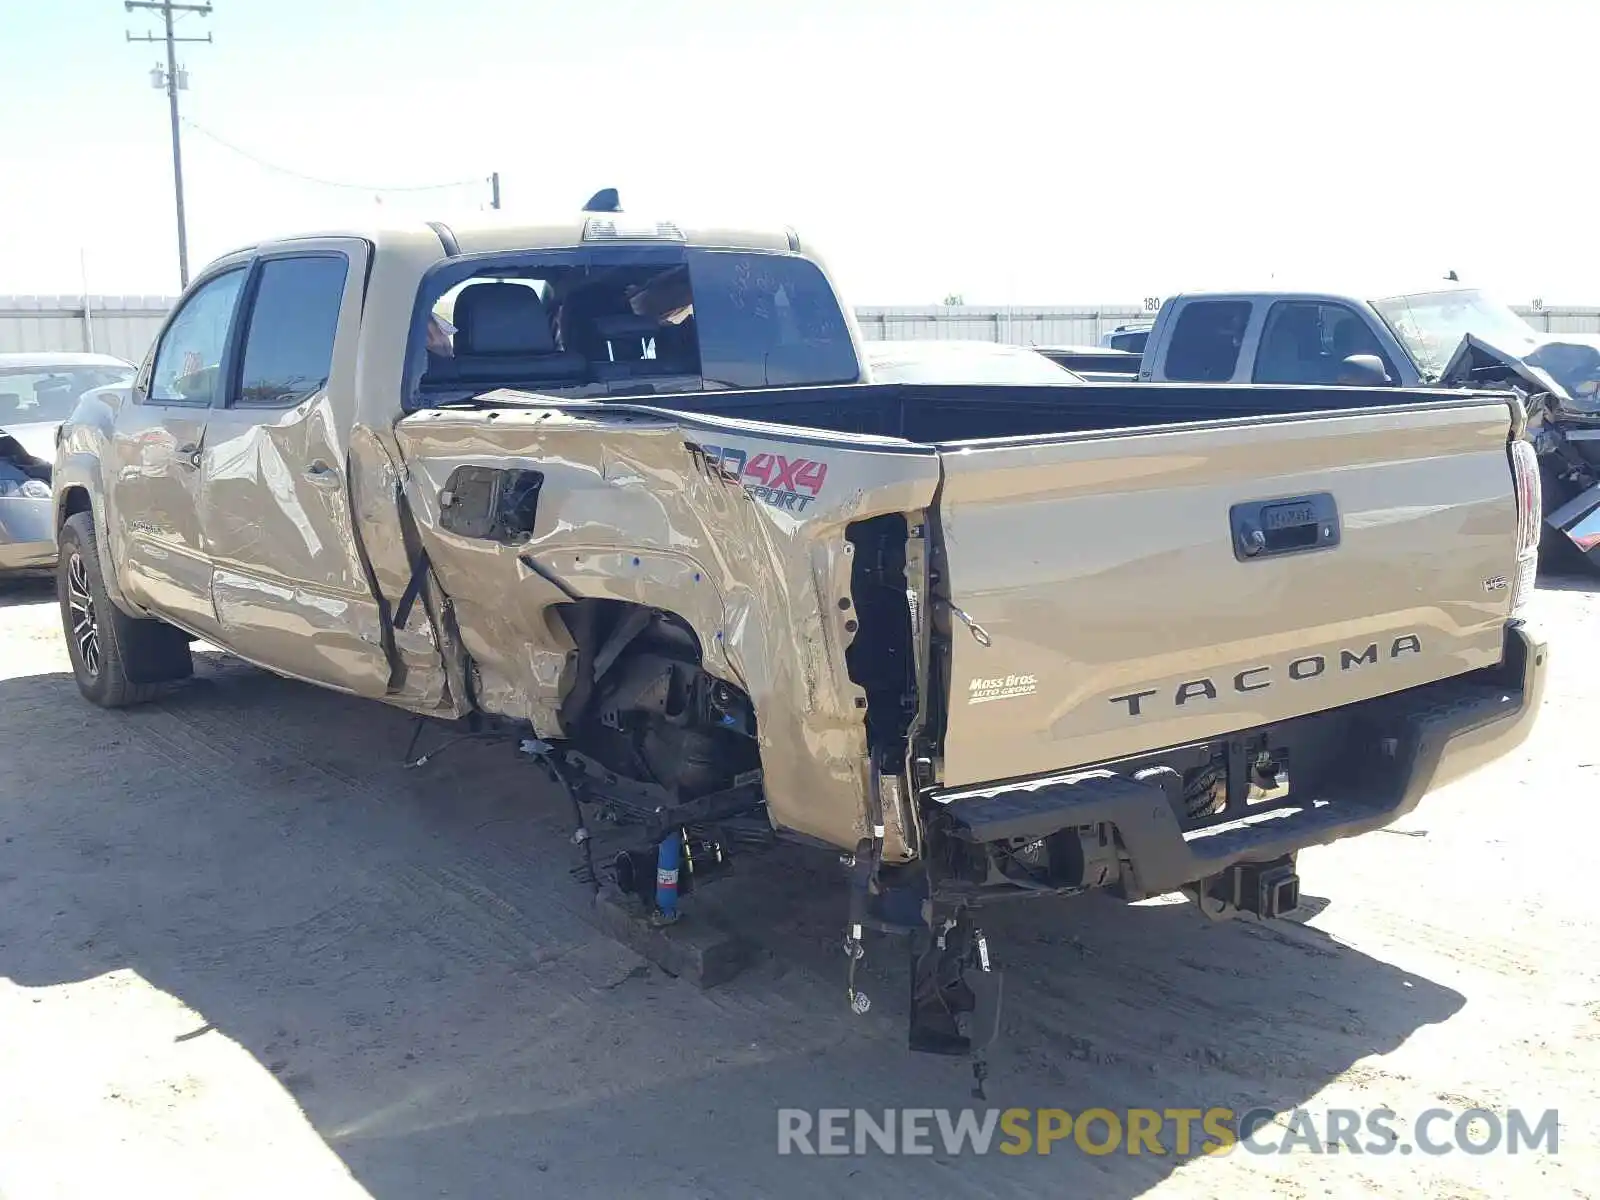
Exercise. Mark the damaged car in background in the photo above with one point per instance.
(1557, 375)
(623, 492)
(38, 392)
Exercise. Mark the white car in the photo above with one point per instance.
(962, 362)
(37, 393)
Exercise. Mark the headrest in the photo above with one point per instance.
(501, 318)
(626, 326)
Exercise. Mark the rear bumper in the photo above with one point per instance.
(26, 537)
(1405, 746)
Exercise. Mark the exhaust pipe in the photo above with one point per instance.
(637, 872)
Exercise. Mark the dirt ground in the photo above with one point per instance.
(244, 952)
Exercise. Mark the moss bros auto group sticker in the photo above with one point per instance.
(1001, 687)
(789, 484)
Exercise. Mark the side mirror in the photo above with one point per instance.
(1363, 370)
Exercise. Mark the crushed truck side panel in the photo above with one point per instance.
(674, 516)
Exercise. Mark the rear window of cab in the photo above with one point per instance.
(629, 320)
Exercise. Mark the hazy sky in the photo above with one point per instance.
(1013, 151)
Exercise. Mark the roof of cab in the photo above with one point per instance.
(480, 233)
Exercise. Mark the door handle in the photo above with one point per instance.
(189, 455)
(1289, 525)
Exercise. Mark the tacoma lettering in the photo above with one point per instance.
(1348, 658)
(1254, 679)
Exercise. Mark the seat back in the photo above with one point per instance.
(503, 331)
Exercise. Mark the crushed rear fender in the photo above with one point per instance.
(736, 527)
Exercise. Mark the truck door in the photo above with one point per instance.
(289, 585)
(156, 448)
(1308, 341)
(1201, 342)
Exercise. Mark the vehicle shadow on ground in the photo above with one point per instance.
(408, 955)
(1569, 581)
(26, 587)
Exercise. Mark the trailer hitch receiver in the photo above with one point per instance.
(1267, 890)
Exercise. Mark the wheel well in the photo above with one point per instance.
(605, 630)
(74, 501)
(640, 703)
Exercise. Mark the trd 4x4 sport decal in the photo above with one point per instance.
(785, 483)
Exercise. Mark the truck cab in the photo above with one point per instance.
(1275, 337)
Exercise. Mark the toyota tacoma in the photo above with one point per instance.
(623, 489)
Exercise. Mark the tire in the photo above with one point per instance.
(117, 660)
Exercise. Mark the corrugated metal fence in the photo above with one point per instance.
(126, 325)
(1075, 326)
(1083, 325)
(120, 325)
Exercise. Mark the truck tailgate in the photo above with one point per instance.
(1106, 604)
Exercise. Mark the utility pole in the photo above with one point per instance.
(494, 188)
(174, 80)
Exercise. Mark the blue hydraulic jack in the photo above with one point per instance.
(696, 950)
(668, 855)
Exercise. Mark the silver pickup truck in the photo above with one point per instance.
(617, 487)
(1442, 337)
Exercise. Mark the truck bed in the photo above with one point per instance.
(1088, 545)
(1095, 536)
(935, 413)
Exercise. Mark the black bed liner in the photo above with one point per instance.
(942, 413)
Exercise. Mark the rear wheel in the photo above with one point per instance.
(117, 660)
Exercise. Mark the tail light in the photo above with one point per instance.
(1530, 518)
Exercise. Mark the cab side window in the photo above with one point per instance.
(1306, 342)
(288, 345)
(1206, 340)
(188, 366)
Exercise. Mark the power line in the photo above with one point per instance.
(334, 183)
(173, 80)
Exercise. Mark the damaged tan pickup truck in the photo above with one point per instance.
(623, 489)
